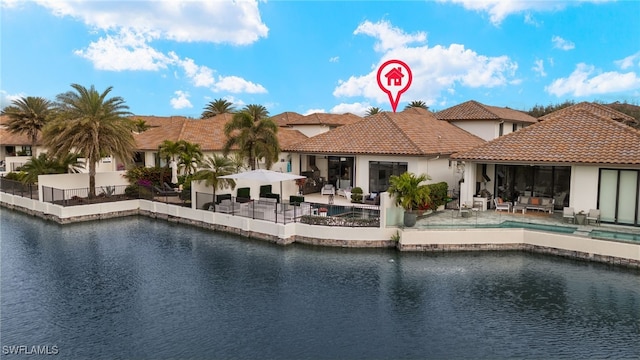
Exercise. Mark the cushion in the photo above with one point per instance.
(500, 200)
(535, 201)
(524, 199)
(373, 196)
(546, 201)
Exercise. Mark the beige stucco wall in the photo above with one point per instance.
(584, 187)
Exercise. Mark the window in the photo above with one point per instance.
(381, 171)
(501, 129)
(619, 196)
(515, 127)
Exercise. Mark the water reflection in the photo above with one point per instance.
(139, 288)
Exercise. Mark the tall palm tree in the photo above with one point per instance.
(372, 111)
(212, 168)
(189, 157)
(217, 106)
(417, 103)
(28, 116)
(254, 134)
(93, 125)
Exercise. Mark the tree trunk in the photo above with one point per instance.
(92, 178)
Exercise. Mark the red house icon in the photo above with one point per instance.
(396, 75)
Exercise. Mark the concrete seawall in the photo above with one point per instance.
(432, 240)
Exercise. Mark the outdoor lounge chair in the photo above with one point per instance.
(372, 199)
(161, 192)
(593, 215)
(502, 205)
(328, 189)
(568, 213)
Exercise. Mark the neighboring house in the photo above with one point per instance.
(583, 156)
(314, 124)
(367, 152)
(487, 122)
(209, 133)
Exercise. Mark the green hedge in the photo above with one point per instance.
(438, 194)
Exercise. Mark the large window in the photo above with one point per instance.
(619, 196)
(381, 171)
(548, 181)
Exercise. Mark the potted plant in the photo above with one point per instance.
(581, 217)
(409, 192)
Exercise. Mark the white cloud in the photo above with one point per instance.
(562, 44)
(435, 70)
(334, 59)
(124, 51)
(538, 68)
(356, 108)
(629, 61)
(6, 98)
(181, 100)
(234, 84)
(201, 76)
(314, 111)
(388, 37)
(498, 10)
(529, 19)
(236, 22)
(585, 81)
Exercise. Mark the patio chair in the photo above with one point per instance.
(593, 215)
(502, 205)
(161, 192)
(328, 189)
(568, 213)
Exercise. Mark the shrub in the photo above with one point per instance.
(156, 175)
(356, 194)
(138, 192)
(438, 194)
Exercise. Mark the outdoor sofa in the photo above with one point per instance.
(540, 203)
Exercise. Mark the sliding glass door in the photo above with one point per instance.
(619, 196)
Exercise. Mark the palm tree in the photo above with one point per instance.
(140, 125)
(190, 156)
(45, 164)
(93, 125)
(28, 116)
(417, 103)
(170, 150)
(372, 111)
(217, 106)
(254, 134)
(408, 190)
(212, 168)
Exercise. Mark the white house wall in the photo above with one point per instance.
(311, 130)
(584, 187)
(487, 130)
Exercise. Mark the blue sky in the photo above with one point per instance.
(173, 57)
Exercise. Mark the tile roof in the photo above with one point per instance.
(292, 118)
(410, 132)
(209, 133)
(8, 138)
(575, 136)
(473, 110)
(598, 109)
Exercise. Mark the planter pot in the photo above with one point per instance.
(440, 208)
(580, 219)
(410, 219)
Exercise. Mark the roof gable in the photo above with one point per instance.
(473, 110)
(595, 108)
(578, 136)
(409, 132)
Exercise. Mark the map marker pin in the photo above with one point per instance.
(394, 78)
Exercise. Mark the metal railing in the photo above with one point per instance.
(18, 188)
(112, 193)
(286, 212)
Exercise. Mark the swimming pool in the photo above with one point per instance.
(613, 235)
(509, 225)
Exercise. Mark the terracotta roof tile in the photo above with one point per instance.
(473, 110)
(209, 133)
(292, 118)
(409, 132)
(575, 136)
(598, 109)
(8, 138)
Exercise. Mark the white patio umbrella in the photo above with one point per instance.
(264, 176)
(174, 172)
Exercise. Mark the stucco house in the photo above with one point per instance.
(314, 124)
(367, 152)
(583, 156)
(485, 121)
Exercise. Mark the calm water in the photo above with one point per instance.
(139, 288)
